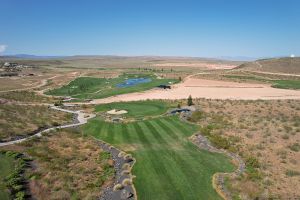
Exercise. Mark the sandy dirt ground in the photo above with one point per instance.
(211, 89)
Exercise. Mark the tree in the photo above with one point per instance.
(179, 78)
(190, 101)
(178, 106)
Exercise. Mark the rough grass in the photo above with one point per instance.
(6, 167)
(287, 84)
(136, 109)
(283, 84)
(21, 120)
(95, 88)
(266, 134)
(25, 96)
(168, 166)
(69, 166)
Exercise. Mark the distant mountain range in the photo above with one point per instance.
(28, 56)
(229, 58)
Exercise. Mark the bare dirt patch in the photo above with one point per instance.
(211, 89)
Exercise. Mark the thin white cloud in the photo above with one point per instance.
(2, 48)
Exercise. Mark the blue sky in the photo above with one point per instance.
(203, 28)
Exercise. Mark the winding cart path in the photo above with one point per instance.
(82, 118)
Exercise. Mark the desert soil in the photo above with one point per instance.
(211, 89)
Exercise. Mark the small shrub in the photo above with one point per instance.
(118, 187)
(292, 173)
(190, 101)
(126, 182)
(58, 103)
(128, 157)
(295, 147)
(121, 154)
(125, 172)
(252, 162)
(104, 155)
(20, 195)
(126, 166)
(285, 137)
(196, 116)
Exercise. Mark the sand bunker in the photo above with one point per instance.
(210, 89)
(116, 112)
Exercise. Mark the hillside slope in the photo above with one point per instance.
(275, 65)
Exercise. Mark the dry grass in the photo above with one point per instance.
(268, 131)
(21, 120)
(25, 97)
(67, 166)
(277, 65)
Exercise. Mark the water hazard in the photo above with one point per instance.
(133, 81)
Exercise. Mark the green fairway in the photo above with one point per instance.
(136, 109)
(6, 167)
(168, 165)
(96, 88)
(283, 84)
(287, 84)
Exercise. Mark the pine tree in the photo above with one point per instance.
(190, 101)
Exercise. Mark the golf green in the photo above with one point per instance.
(136, 109)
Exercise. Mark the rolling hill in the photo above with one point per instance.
(285, 65)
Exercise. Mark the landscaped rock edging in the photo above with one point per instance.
(123, 185)
(218, 178)
(81, 118)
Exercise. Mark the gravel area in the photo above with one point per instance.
(127, 191)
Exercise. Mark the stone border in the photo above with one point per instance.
(126, 191)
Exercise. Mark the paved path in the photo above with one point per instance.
(82, 118)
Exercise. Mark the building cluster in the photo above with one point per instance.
(13, 67)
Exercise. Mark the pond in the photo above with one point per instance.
(133, 82)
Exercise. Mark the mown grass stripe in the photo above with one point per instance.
(140, 133)
(134, 138)
(125, 134)
(167, 130)
(103, 133)
(179, 127)
(167, 123)
(155, 133)
(184, 173)
(118, 134)
(168, 182)
(99, 128)
(110, 132)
